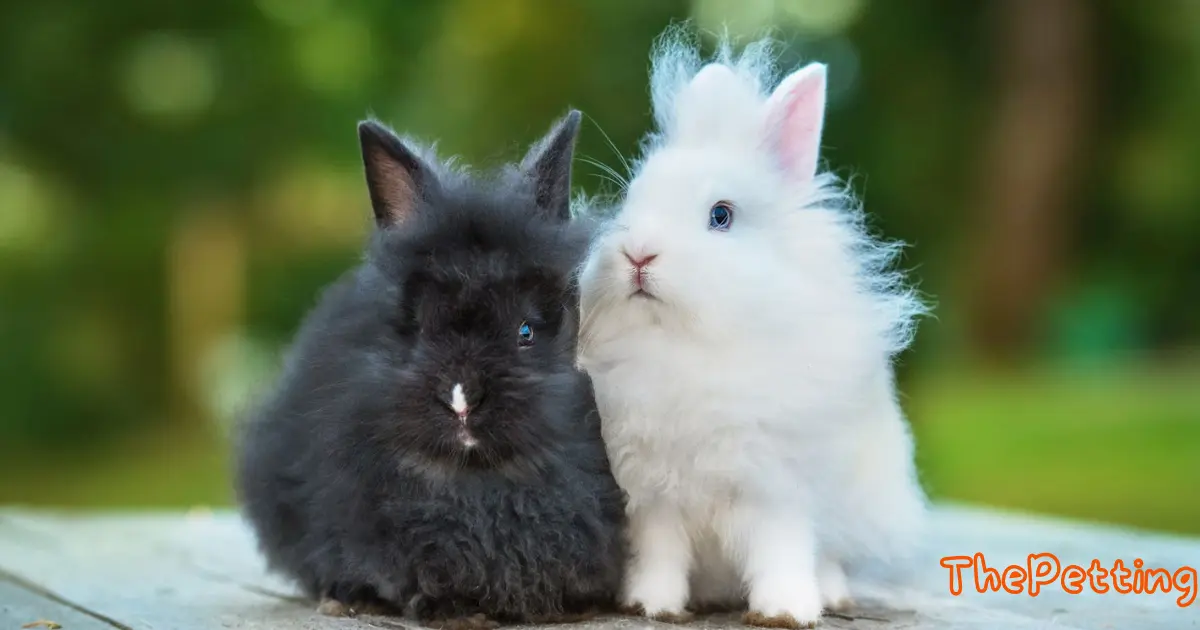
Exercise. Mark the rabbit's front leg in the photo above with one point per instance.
(831, 580)
(780, 566)
(657, 582)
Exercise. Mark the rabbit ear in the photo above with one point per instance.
(548, 165)
(396, 178)
(795, 113)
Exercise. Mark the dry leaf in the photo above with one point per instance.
(43, 623)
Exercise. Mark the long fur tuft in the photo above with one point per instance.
(676, 58)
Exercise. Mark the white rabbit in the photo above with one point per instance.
(740, 324)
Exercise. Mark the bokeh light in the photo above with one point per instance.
(169, 76)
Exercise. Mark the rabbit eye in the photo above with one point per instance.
(525, 335)
(720, 217)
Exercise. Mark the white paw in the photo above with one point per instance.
(784, 604)
(831, 581)
(657, 594)
(332, 608)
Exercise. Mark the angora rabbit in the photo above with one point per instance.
(739, 326)
(431, 445)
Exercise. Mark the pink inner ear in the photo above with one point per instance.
(796, 112)
(394, 185)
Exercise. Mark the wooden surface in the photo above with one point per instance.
(201, 570)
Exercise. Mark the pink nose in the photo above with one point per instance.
(638, 263)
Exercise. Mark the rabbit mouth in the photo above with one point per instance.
(465, 438)
(643, 294)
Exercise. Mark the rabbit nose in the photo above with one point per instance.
(462, 401)
(639, 261)
(638, 277)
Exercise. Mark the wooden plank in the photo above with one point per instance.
(148, 571)
(203, 571)
(22, 606)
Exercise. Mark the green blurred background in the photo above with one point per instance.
(178, 179)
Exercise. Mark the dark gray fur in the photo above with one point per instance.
(350, 470)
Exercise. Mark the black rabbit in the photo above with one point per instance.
(431, 447)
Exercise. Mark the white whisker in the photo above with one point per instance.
(618, 179)
(617, 152)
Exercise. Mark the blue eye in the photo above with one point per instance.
(720, 217)
(525, 335)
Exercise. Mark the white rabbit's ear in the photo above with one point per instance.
(795, 114)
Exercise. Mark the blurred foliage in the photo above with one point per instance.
(1117, 447)
(178, 180)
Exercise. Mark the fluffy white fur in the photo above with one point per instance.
(749, 407)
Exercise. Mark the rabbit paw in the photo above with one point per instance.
(658, 597)
(665, 616)
(782, 620)
(333, 608)
(831, 581)
(783, 603)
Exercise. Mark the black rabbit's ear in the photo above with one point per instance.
(397, 179)
(548, 164)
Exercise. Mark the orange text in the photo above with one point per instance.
(1044, 569)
